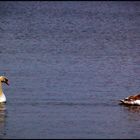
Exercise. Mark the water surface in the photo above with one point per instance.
(68, 64)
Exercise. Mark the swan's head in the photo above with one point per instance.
(3, 79)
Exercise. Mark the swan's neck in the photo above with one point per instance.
(1, 91)
(2, 96)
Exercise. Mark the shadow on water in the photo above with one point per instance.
(2, 120)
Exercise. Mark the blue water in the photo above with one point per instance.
(68, 64)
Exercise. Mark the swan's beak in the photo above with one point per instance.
(7, 83)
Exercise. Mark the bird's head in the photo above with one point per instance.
(3, 79)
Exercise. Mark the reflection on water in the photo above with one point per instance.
(2, 119)
(132, 112)
(133, 109)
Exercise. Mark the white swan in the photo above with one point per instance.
(131, 100)
(3, 79)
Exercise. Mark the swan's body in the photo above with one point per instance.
(131, 100)
(3, 79)
(2, 98)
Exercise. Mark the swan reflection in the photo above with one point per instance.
(133, 109)
(2, 119)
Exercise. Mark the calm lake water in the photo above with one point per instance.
(68, 64)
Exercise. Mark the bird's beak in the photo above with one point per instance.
(7, 83)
